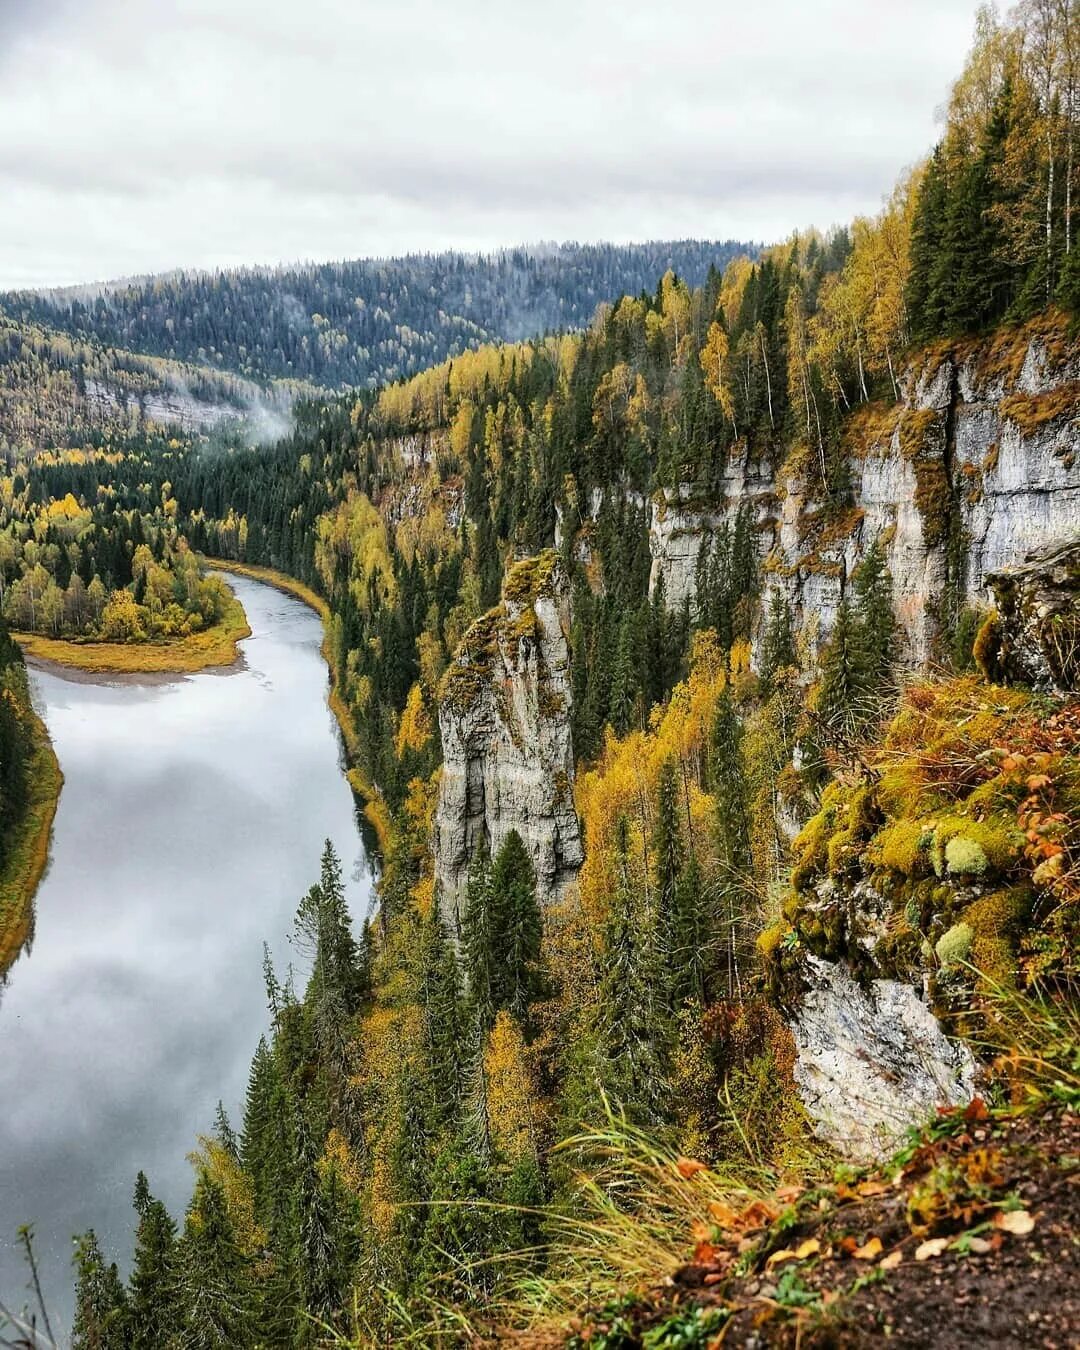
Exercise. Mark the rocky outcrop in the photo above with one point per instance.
(975, 465)
(872, 1060)
(1034, 638)
(504, 718)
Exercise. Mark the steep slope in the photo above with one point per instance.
(974, 466)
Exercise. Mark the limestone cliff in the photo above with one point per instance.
(974, 466)
(504, 717)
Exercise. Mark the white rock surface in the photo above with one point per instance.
(508, 760)
(872, 1062)
(1013, 492)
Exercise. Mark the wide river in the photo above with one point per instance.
(191, 822)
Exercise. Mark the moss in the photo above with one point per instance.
(902, 846)
(987, 647)
(1031, 412)
(530, 578)
(997, 922)
(954, 946)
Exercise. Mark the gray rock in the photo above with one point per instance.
(1038, 628)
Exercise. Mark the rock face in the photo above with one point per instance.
(872, 1061)
(1035, 638)
(508, 760)
(976, 464)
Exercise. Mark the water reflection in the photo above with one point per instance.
(191, 821)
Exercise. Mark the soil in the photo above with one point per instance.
(1002, 1289)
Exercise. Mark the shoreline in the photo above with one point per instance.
(374, 808)
(213, 648)
(29, 856)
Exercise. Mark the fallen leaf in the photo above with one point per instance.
(979, 1246)
(869, 1251)
(688, 1167)
(868, 1188)
(931, 1247)
(808, 1248)
(723, 1214)
(891, 1261)
(758, 1214)
(784, 1254)
(788, 1194)
(848, 1246)
(1017, 1221)
(976, 1110)
(713, 1277)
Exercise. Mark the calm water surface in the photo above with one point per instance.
(191, 822)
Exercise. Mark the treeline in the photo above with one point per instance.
(366, 322)
(994, 229)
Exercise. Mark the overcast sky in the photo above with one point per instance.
(142, 135)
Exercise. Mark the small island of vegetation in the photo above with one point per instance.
(106, 589)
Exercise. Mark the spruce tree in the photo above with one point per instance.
(153, 1293)
(778, 642)
(691, 954)
(876, 626)
(631, 1028)
(517, 929)
(215, 1277)
(478, 941)
(667, 850)
(101, 1315)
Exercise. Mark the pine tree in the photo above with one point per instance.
(101, 1317)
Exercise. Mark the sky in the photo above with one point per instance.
(143, 135)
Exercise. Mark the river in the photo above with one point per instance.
(191, 822)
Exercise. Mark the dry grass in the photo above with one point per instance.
(29, 847)
(216, 646)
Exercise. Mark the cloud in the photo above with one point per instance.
(206, 132)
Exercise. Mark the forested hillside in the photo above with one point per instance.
(729, 825)
(366, 322)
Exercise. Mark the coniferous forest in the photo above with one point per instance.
(520, 1112)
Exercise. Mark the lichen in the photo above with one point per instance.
(954, 946)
